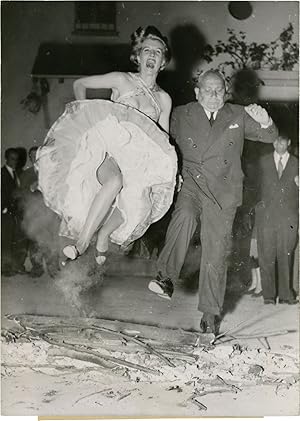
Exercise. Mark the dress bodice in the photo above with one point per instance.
(151, 108)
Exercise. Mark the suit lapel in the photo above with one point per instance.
(286, 169)
(224, 116)
(196, 113)
(274, 171)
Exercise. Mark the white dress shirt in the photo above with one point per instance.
(208, 113)
(284, 159)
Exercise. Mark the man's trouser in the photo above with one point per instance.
(276, 241)
(215, 235)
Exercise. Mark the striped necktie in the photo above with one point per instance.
(211, 119)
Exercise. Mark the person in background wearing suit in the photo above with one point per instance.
(277, 222)
(210, 135)
(9, 214)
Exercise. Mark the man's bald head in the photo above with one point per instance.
(211, 74)
(210, 90)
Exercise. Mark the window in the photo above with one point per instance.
(95, 18)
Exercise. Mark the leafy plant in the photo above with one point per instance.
(280, 54)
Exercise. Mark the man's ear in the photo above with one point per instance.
(196, 90)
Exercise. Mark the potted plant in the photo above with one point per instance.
(274, 63)
(280, 54)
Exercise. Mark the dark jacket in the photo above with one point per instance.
(278, 197)
(212, 155)
(8, 190)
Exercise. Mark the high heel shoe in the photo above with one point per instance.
(249, 291)
(101, 257)
(71, 252)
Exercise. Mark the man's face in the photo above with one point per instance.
(12, 160)
(281, 145)
(211, 92)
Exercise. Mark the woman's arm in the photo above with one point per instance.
(166, 105)
(111, 80)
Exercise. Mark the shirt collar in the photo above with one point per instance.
(284, 157)
(10, 170)
(208, 113)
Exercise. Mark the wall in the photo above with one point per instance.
(27, 24)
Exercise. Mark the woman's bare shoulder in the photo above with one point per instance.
(164, 97)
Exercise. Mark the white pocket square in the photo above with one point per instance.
(233, 126)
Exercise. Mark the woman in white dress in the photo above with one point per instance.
(108, 166)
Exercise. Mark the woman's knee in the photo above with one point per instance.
(109, 173)
(116, 181)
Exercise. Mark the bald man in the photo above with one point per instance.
(210, 135)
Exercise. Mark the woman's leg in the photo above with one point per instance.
(110, 225)
(109, 175)
(258, 288)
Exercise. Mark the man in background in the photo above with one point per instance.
(277, 222)
(10, 223)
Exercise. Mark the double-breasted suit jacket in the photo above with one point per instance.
(211, 191)
(211, 156)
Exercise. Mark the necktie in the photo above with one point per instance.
(280, 168)
(15, 178)
(211, 119)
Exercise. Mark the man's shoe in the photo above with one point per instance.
(291, 301)
(208, 323)
(269, 301)
(163, 287)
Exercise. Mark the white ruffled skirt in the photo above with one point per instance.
(75, 147)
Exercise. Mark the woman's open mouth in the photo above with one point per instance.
(150, 63)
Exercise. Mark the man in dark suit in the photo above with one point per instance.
(277, 222)
(210, 136)
(9, 212)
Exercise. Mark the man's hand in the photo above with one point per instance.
(296, 179)
(179, 182)
(258, 114)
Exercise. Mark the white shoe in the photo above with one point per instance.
(71, 252)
